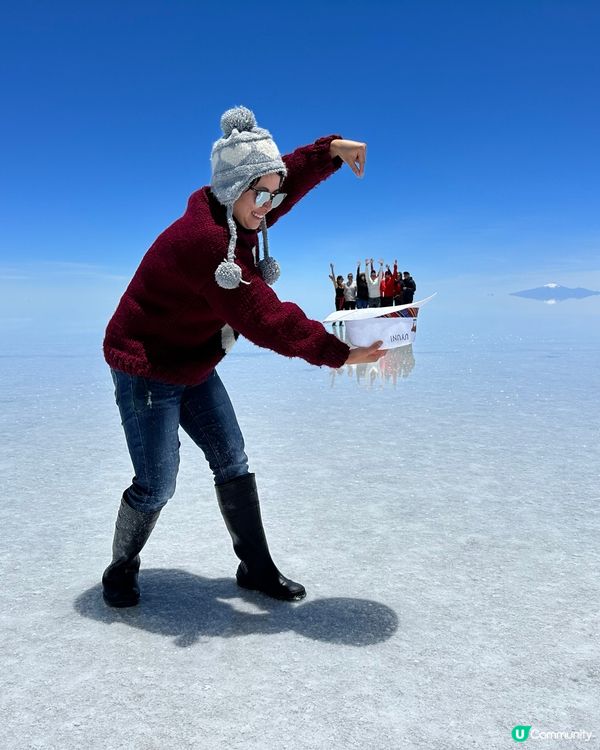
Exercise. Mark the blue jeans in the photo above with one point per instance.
(151, 412)
(361, 303)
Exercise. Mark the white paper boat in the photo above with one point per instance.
(395, 326)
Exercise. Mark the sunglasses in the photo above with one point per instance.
(264, 196)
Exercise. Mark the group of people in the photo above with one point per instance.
(373, 288)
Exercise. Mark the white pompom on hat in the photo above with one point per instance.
(244, 154)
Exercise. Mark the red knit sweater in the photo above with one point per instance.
(174, 323)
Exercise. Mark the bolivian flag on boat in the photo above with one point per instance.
(395, 326)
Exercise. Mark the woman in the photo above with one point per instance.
(362, 288)
(339, 287)
(197, 288)
(350, 293)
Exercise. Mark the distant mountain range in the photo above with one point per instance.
(552, 293)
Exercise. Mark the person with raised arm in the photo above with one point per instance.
(374, 280)
(388, 286)
(339, 287)
(362, 288)
(201, 284)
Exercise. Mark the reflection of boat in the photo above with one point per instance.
(395, 363)
(395, 326)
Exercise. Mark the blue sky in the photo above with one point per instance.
(481, 119)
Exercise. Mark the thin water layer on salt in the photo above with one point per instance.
(444, 521)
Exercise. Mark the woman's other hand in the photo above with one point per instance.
(363, 354)
(353, 153)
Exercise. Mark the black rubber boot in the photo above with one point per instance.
(239, 504)
(120, 580)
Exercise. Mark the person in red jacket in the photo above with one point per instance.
(388, 286)
(200, 285)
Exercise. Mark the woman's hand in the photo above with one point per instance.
(352, 152)
(364, 354)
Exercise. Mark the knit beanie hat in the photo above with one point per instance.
(244, 153)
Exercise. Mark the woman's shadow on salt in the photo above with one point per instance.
(191, 608)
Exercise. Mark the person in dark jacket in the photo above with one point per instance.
(408, 288)
(362, 288)
(339, 287)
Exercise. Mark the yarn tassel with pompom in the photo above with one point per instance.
(228, 274)
(268, 267)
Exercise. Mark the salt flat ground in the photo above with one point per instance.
(443, 514)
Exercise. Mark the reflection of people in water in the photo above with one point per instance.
(396, 363)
